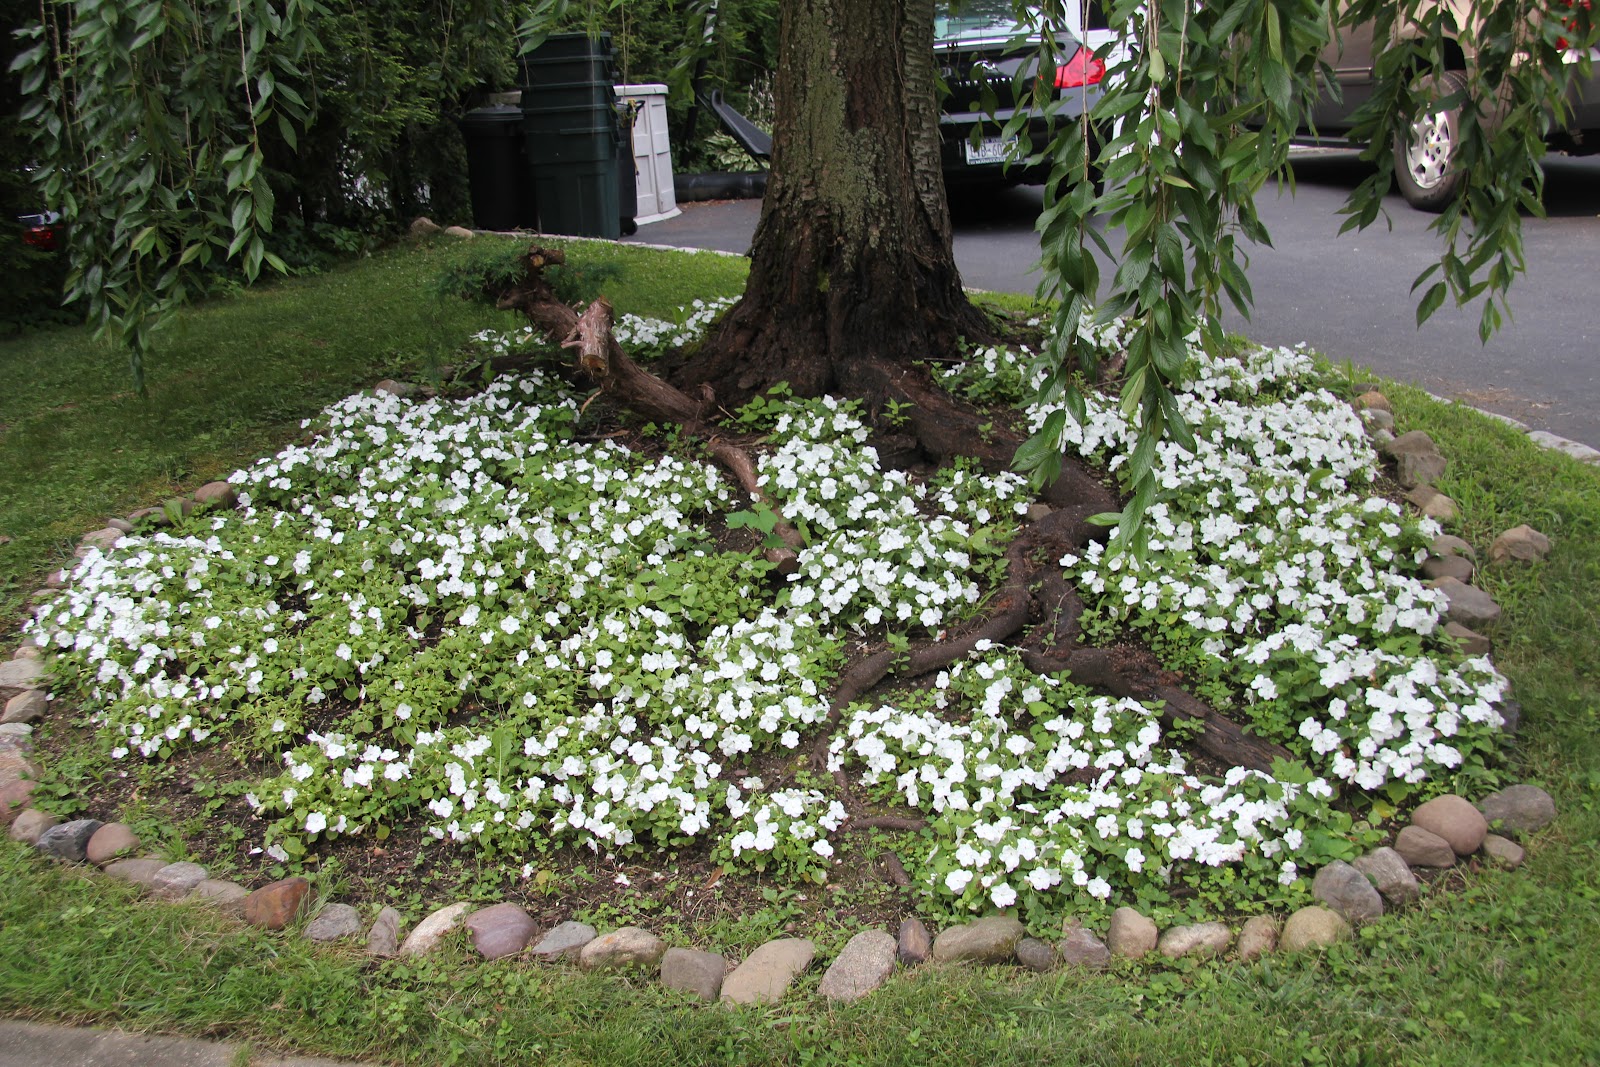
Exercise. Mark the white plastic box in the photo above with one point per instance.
(652, 152)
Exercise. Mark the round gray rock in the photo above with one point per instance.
(383, 939)
(177, 880)
(1423, 848)
(333, 922)
(865, 964)
(1503, 851)
(1347, 891)
(1454, 819)
(1468, 605)
(19, 675)
(141, 871)
(1521, 809)
(31, 825)
(630, 946)
(989, 940)
(1313, 927)
(1198, 939)
(1390, 875)
(1036, 955)
(68, 841)
(693, 971)
(1458, 567)
(1131, 935)
(564, 942)
(30, 705)
(227, 897)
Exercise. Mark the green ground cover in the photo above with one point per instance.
(1486, 969)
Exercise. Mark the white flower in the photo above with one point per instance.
(316, 822)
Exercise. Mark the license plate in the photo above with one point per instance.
(991, 150)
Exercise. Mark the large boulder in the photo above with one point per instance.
(1521, 809)
(1454, 819)
(990, 940)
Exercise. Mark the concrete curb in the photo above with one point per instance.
(25, 1044)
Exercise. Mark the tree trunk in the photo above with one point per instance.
(852, 261)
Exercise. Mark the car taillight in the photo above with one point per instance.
(41, 237)
(1081, 69)
(1577, 23)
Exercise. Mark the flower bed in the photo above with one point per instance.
(463, 613)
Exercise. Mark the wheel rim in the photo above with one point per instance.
(1429, 148)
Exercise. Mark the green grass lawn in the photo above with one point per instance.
(232, 379)
(1497, 968)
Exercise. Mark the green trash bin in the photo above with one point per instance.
(569, 118)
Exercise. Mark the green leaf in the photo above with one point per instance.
(1432, 300)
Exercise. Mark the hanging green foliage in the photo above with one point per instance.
(1200, 114)
(150, 120)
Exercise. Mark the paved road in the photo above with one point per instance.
(1348, 296)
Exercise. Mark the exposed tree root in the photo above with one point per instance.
(602, 360)
(944, 429)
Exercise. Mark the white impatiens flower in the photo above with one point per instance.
(462, 611)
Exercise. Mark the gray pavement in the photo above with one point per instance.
(25, 1044)
(1346, 295)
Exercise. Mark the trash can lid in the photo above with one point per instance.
(493, 115)
(648, 89)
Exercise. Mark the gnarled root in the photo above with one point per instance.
(603, 361)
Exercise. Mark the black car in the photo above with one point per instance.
(979, 49)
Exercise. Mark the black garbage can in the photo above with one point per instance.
(498, 175)
(627, 169)
(569, 115)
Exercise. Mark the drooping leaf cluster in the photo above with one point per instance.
(150, 121)
(1201, 112)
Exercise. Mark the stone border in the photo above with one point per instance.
(1441, 832)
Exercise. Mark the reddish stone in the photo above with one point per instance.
(111, 841)
(14, 799)
(277, 905)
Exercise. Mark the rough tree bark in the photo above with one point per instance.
(853, 282)
(852, 273)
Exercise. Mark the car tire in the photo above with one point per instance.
(1425, 147)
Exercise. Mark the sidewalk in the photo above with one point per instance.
(25, 1044)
